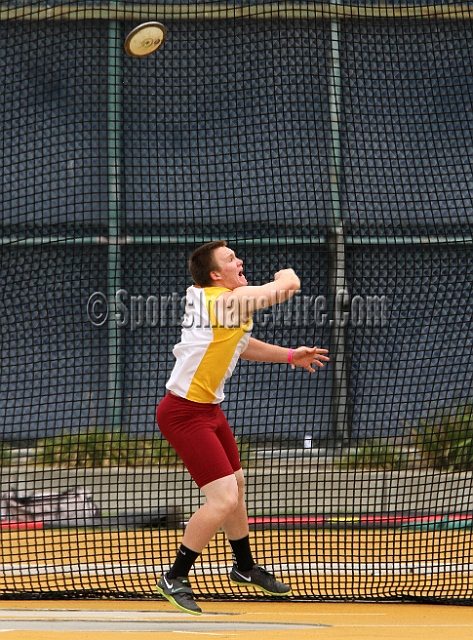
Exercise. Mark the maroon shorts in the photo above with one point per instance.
(201, 436)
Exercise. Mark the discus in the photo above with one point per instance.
(145, 39)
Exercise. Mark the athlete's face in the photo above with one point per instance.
(230, 269)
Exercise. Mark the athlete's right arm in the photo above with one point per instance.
(244, 301)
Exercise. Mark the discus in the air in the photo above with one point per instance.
(145, 39)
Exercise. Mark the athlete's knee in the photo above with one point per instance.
(228, 499)
(231, 503)
(223, 495)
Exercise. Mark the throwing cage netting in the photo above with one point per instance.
(335, 138)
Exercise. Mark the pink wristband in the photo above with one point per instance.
(289, 358)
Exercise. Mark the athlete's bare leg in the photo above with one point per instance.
(222, 500)
(236, 525)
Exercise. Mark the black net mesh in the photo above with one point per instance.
(334, 138)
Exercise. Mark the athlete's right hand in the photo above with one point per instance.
(284, 272)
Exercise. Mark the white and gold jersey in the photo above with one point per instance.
(208, 351)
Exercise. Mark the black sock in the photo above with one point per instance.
(184, 561)
(242, 556)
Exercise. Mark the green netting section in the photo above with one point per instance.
(334, 138)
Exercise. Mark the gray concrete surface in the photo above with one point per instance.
(289, 488)
(138, 621)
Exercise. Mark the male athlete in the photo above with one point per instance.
(215, 333)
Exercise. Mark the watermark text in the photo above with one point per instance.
(133, 312)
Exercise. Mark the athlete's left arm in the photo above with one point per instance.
(305, 357)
